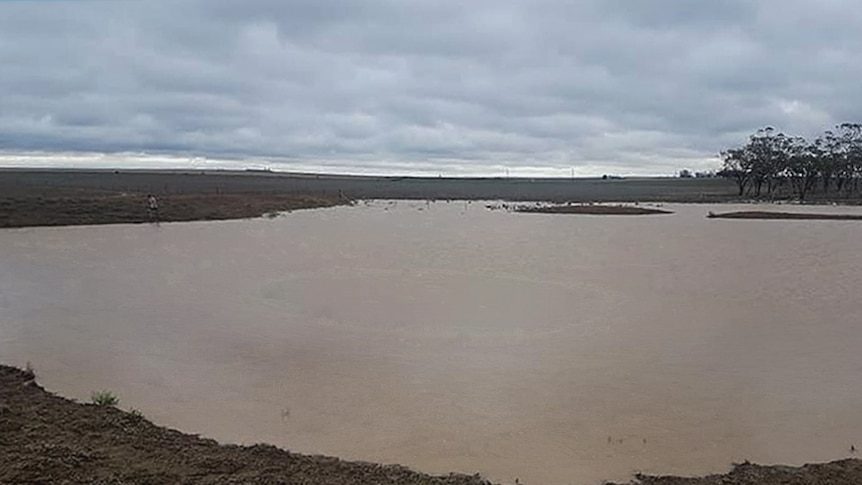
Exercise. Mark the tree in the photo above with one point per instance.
(738, 165)
(850, 140)
(828, 148)
(803, 165)
(770, 158)
(772, 161)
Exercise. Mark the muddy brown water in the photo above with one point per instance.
(550, 348)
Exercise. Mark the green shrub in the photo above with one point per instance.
(104, 398)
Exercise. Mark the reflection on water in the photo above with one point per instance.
(555, 349)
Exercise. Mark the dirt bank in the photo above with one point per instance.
(63, 208)
(785, 215)
(844, 472)
(598, 210)
(47, 439)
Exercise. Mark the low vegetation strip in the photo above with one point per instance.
(785, 215)
(598, 210)
(45, 438)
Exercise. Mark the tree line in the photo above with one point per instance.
(773, 164)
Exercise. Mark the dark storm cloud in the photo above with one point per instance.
(431, 85)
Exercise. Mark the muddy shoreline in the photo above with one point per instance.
(595, 210)
(785, 216)
(45, 438)
(86, 208)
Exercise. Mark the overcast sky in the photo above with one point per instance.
(422, 86)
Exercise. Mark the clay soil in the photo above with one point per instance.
(785, 215)
(47, 439)
(598, 210)
(63, 208)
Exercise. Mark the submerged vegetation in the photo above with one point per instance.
(773, 165)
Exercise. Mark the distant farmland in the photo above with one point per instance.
(21, 182)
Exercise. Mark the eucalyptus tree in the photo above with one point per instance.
(803, 164)
(772, 160)
(850, 166)
(738, 165)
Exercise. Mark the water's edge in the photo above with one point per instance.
(128, 446)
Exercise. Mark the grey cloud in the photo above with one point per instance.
(633, 87)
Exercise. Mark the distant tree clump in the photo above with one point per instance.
(774, 165)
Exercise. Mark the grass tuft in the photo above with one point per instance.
(104, 398)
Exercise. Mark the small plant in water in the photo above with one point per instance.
(104, 398)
